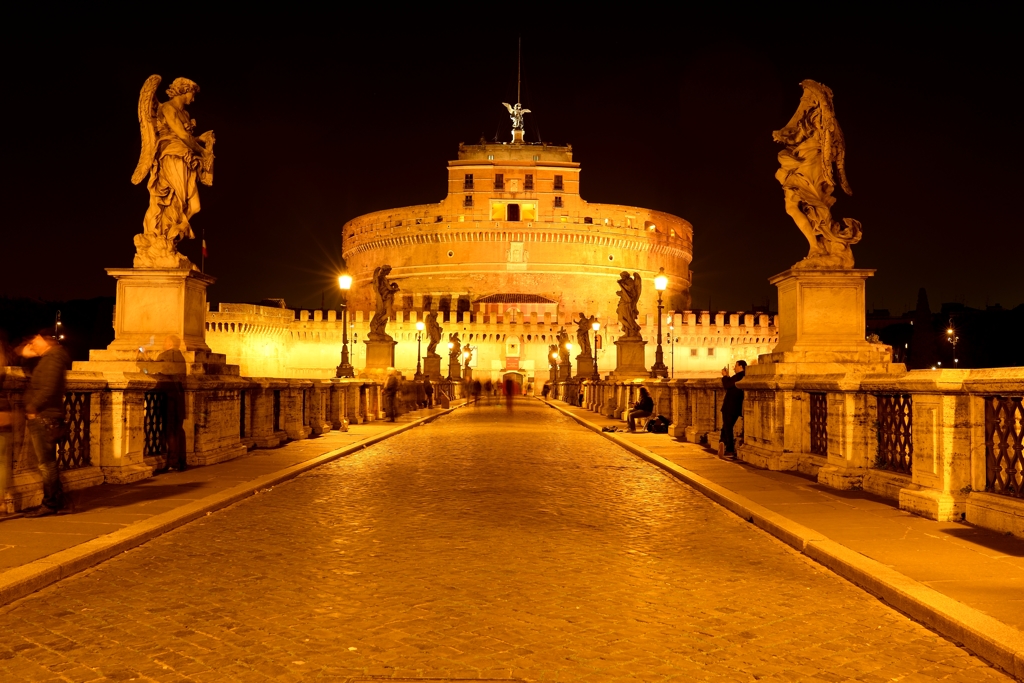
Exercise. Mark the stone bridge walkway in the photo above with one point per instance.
(485, 545)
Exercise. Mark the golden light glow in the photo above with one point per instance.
(420, 326)
(661, 281)
(596, 326)
(345, 282)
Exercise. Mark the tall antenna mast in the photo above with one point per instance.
(519, 74)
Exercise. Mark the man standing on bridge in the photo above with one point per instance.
(732, 408)
(44, 408)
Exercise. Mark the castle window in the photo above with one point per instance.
(588, 220)
(693, 352)
(711, 351)
(558, 202)
(536, 157)
(558, 183)
(513, 212)
(468, 201)
(468, 183)
(499, 181)
(528, 185)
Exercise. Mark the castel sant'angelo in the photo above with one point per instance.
(511, 256)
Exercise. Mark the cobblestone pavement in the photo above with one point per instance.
(480, 546)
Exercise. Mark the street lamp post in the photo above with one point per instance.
(659, 369)
(345, 369)
(451, 346)
(568, 366)
(672, 345)
(597, 375)
(465, 362)
(419, 341)
(555, 358)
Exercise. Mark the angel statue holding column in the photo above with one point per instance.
(174, 159)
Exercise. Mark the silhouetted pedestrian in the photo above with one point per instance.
(545, 390)
(44, 409)
(391, 394)
(732, 408)
(428, 391)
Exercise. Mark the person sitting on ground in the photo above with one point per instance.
(643, 408)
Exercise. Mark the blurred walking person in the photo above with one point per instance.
(428, 392)
(44, 409)
(6, 430)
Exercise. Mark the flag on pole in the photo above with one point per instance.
(205, 255)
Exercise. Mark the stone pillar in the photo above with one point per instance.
(432, 367)
(942, 452)
(584, 366)
(822, 345)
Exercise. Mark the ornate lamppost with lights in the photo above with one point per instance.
(952, 338)
(596, 327)
(419, 346)
(659, 369)
(451, 346)
(555, 360)
(465, 361)
(345, 369)
(672, 345)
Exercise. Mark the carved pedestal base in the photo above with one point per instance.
(432, 368)
(159, 325)
(584, 367)
(630, 359)
(380, 355)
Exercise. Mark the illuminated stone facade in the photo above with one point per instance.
(511, 255)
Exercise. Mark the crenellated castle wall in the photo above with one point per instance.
(275, 342)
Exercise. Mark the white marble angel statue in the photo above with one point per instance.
(516, 112)
(814, 144)
(174, 159)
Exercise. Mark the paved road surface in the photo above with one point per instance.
(483, 545)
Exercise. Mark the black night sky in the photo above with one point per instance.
(326, 118)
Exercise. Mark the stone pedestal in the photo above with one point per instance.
(821, 342)
(822, 319)
(380, 355)
(159, 325)
(432, 368)
(630, 359)
(584, 367)
(454, 370)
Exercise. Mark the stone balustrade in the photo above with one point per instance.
(944, 444)
(125, 429)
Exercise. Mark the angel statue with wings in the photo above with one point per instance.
(814, 144)
(516, 113)
(385, 291)
(433, 334)
(628, 310)
(174, 159)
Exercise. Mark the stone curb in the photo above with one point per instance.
(20, 581)
(988, 638)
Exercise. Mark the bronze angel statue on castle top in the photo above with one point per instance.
(174, 159)
(814, 144)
